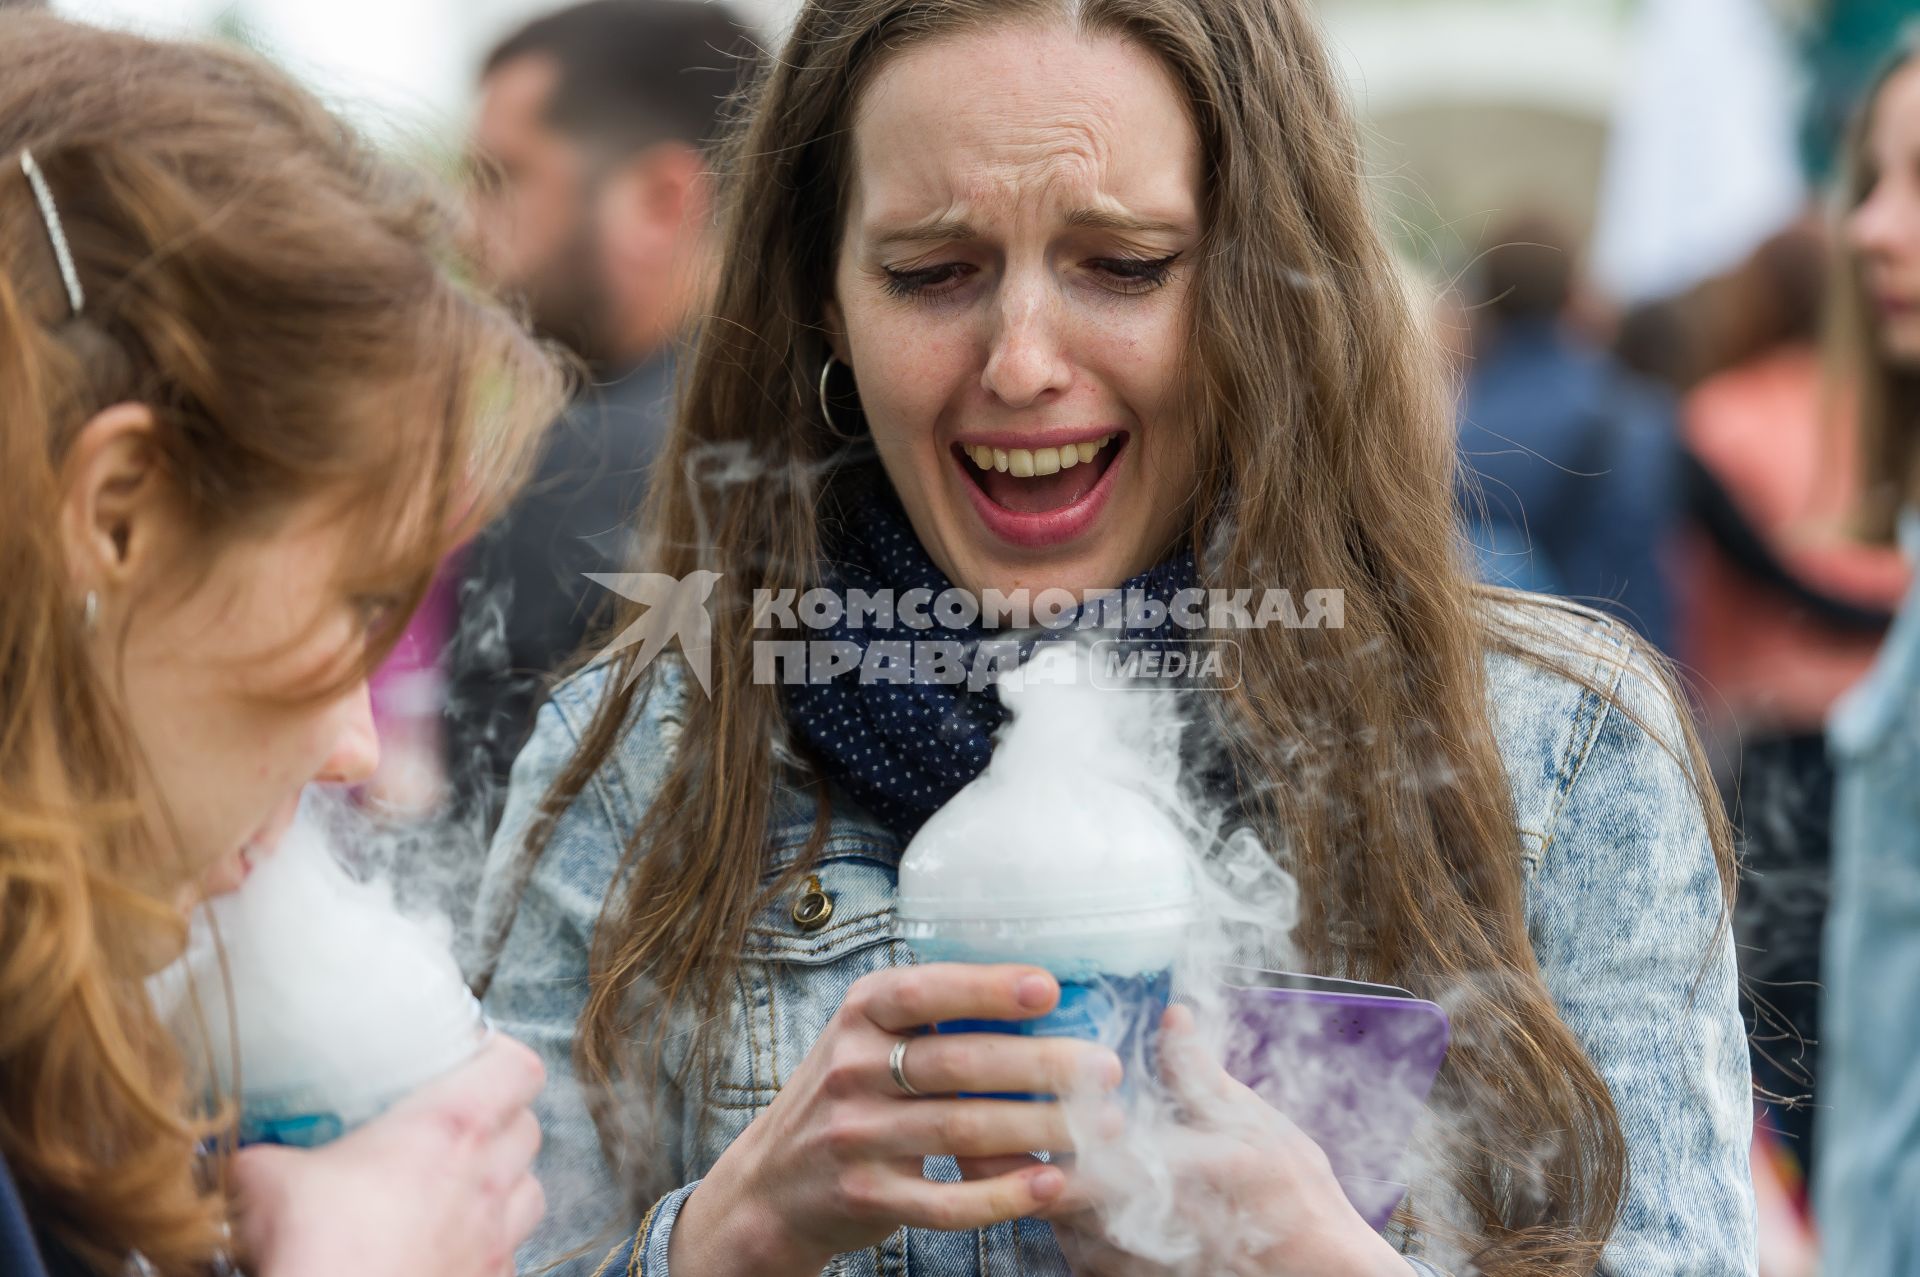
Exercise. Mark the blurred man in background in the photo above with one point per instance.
(1572, 460)
(592, 201)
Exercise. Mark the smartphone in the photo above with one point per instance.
(1351, 1064)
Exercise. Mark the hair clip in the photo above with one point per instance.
(50, 215)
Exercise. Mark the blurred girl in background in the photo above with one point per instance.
(1867, 1179)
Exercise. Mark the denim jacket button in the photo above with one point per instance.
(814, 907)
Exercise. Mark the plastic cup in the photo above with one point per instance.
(1102, 899)
(312, 1112)
(311, 1000)
(1115, 972)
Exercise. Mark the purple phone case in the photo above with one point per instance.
(1351, 1066)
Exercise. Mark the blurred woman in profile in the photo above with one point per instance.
(1784, 609)
(1867, 1179)
(244, 409)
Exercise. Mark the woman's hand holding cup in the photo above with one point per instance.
(1256, 1196)
(834, 1164)
(440, 1185)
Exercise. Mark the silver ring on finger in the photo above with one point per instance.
(897, 1065)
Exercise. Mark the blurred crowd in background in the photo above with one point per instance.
(1627, 210)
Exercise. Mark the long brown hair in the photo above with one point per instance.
(1324, 450)
(1885, 396)
(280, 298)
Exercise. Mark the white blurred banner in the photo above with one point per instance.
(1702, 165)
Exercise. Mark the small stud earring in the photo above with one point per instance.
(90, 612)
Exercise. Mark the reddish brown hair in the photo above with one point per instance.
(281, 298)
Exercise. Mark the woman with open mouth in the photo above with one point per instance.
(1021, 295)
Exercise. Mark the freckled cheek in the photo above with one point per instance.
(909, 389)
(1140, 367)
(273, 753)
(289, 747)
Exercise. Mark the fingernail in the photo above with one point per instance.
(1035, 991)
(1047, 1183)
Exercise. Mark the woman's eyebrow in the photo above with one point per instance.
(947, 229)
(939, 231)
(1101, 219)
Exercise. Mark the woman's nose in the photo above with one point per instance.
(1025, 361)
(356, 744)
(1878, 226)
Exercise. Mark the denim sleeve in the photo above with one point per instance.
(1625, 915)
(645, 1253)
(1867, 1174)
(534, 929)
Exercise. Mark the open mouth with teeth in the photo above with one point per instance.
(1040, 480)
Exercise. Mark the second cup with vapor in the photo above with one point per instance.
(320, 1004)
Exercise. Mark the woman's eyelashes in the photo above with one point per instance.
(1138, 274)
(925, 281)
(1117, 274)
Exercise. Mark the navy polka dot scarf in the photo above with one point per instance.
(902, 749)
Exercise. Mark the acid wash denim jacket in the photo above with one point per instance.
(1623, 907)
(1867, 1177)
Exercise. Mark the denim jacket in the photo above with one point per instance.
(27, 1252)
(19, 1248)
(1623, 908)
(1867, 1187)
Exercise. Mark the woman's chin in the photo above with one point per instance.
(1902, 345)
(988, 568)
(227, 874)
